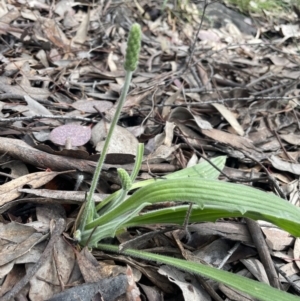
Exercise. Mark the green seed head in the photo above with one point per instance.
(133, 48)
(125, 179)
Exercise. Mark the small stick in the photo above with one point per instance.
(263, 252)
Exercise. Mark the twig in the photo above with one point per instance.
(218, 169)
(282, 146)
(229, 253)
(294, 285)
(5, 96)
(271, 179)
(29, 118)
(263, 252)
(199, 104)
(209, 288)
(192, 48)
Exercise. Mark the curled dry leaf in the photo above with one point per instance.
(191, 290)
(10, 191)
(285, 165)
(92, 106)
(229, 116)
(20, 249)
(123, 144)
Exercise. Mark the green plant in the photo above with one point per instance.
(247, 6)
(212, 199)
(255, 289)
(131, 61)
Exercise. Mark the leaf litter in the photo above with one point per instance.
(234, 92)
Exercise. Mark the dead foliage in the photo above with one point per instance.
(201, 89)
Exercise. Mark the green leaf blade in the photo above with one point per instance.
(218, 195)
(259, 290)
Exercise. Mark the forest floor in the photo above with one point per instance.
(210, 82)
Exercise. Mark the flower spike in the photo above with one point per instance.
(133, 48)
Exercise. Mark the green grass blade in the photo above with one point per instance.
(259, 290)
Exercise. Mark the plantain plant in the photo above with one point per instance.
(212, 199)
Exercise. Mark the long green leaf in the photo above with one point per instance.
(212, 194)
(109, 229)
(177, 215)
(256, 289)
(111, 200)
(202, 170)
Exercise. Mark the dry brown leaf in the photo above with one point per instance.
(191, 289)
(228, 230)
(291, 138)
(288, 30)
(284, 165)
(230, 139)
(10, 191)
(123, 144)
(12, 251)
(214, 252)
(208, 35)
(15, 232)
(277, 239)
(65, 197)
(10, 16)
(81, 34)
(92, 106)
(132, 292)
(106, 289)
(89, 267)
(15, 275)
(56, 270)
(182, 116)
(169, 133)
(53, 33)
(38, 93)
(291, 269)
(5, 270)
(110, 62)
(169, 101)
(227, 114)
(162, 153)
(234, 294)
(256, 268)
(296, 251)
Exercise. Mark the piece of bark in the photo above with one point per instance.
(22, 151)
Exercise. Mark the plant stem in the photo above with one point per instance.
(101, 160)
(130, 64)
